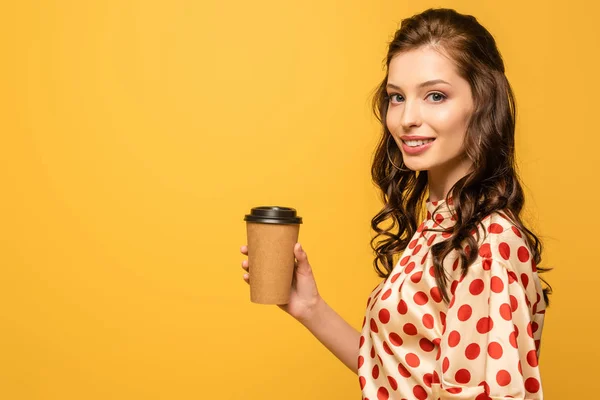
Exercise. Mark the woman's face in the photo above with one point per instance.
(428, 121)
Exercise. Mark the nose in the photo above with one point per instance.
(411, 115)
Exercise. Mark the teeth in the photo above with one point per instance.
(415, 143)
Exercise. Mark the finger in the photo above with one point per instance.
(247, 278)
(244, 249)
(302, 257)
(245, 264)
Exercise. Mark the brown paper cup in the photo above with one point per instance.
(271, 240)
(271, 261)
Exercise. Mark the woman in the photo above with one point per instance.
(460, 314)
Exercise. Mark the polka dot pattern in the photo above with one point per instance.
(483, 344)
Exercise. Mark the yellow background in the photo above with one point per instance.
(136, 135)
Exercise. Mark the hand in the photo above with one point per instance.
(304, 296)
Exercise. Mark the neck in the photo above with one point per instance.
(441, 179)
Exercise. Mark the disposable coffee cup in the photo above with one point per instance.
(272, 233)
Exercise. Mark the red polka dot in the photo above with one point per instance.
(496, 284)
(412, 244)
(486, 387)
(532, 358)
(484, 325)
(395, 277)
(393, 383)
(374, 326)
(436, 377)
(443, 318)
(523, 254)
(409, 267)
(495, 350)
(403, 371)
(446, 235)
(485, 250)
(462, 376)
(445, 364)
(419, 392)
(516, 231)
(384, 316)
(362, 341)
(383, 394)
(424, 258)
(426, 345)
(386, 294)
(455, 264)
(427, 379)
(413, 360)
(362, 381)
(513, 303)
(534, 326)
(375, 371)
(361, 361)
(395, 339)
(505, 312)
(454, 390)
(529, 330)
(409, 329)
(417, 249)
(512, 277)
(504, 250)
(495, 228)
(453, 287)
(420, 228)
(476, 287)
(428, 321)
(519, 368)
(482, 396)
(503, 377)
(431, 239)
(532, 385)
(524, 280)
(467, 250)
(439, 218)
(512, 338)
(487, 264)
(472, 351)
(420, 298)
(436, 294)
(464, 312)
(402, 307)
(453, 339)
(432, 271)
(387, 349)
(416, 277)
(372, 352)
(404, 260)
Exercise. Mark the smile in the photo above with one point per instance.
(414, 147)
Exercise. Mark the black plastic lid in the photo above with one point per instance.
(273, 215)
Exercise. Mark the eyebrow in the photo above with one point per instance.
(421, 85)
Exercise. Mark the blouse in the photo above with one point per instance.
(483, 344)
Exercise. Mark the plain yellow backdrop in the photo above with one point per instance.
(136, 135)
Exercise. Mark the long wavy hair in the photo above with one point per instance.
(493, 185)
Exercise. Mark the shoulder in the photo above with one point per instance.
(501, 240)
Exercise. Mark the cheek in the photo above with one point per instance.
(447, 123)
(391, 121)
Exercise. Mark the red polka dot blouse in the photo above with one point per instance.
(484, 344)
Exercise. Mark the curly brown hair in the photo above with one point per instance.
(492, 185)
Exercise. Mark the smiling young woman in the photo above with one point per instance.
(460, 314)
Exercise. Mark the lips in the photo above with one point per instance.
(414, 146)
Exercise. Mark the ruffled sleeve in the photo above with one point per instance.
(488, 348)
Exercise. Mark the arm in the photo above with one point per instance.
(334, 333)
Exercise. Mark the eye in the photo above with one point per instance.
(396, 98)
(439, 95)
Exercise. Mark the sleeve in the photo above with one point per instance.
(487, 350)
